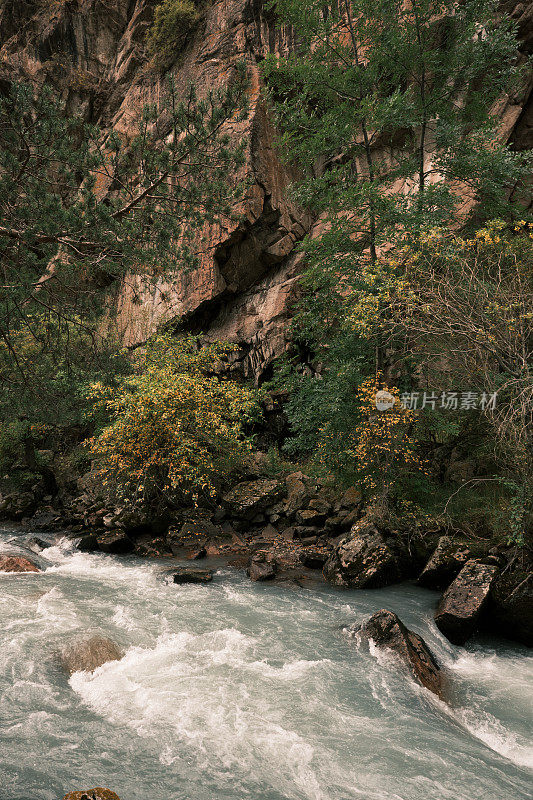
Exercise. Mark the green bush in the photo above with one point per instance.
(173, 22)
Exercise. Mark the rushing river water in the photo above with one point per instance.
(238, 690)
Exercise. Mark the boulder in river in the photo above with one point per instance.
(88, 654)
(510, 607)
(363, 560)
(448, 559)
(261, 568)
(460, 606)
(117, 542)
(386, 630)
(17, 564)
(99, 793)
(193, 576)
(88, 543)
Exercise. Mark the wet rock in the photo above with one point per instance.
(313, 559)
(363, 560)
(445, 564)
(17, 564)
(261, 569)
(510, 608)
(250, 498)
(42, 520)
(117, 542)
(386, 630)
(89, 654)
(99, 793)
(192, 576)
(197, 555)
(88, 543)
(37, 544)
(460, 606)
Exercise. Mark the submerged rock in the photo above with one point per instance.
(461, 604)
(193, 576)
(448, 559)
(17, 564)
(386, 630)
(89, 654)
(99, 793)
(510, 607)
(362, 560)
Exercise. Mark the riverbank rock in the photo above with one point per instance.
(17, 564)
(117, 542)
(17, 505)
(510, 608)
(313, 559)
(99, 793)
(89, 654)
(250, 498)
(386, 630)
(448, 559)
(461, 604)
(261, 568)
(362, 560)
(193, 576)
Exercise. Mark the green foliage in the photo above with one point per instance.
(173, 21)
(176, 428)
(80, 210)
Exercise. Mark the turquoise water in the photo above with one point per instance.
(239, 690)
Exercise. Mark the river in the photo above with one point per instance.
(237, 691)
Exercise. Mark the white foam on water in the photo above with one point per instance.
(207, 696)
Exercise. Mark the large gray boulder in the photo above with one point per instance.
(250, 498)
(387, 631)
(446, 562)
(363, 560)
(89, 654)
(460, 606)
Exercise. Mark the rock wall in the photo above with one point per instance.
(93, 52)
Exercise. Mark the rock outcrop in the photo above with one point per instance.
(445, 564)
(363, 560)
(460, 607)
(17, 564)
(89, 654)
(386, 630)
(244, 287)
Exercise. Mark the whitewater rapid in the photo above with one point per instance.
(238, 690)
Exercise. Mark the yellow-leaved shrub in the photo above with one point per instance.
(176, 428)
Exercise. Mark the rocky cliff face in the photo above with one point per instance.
(93, 52)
